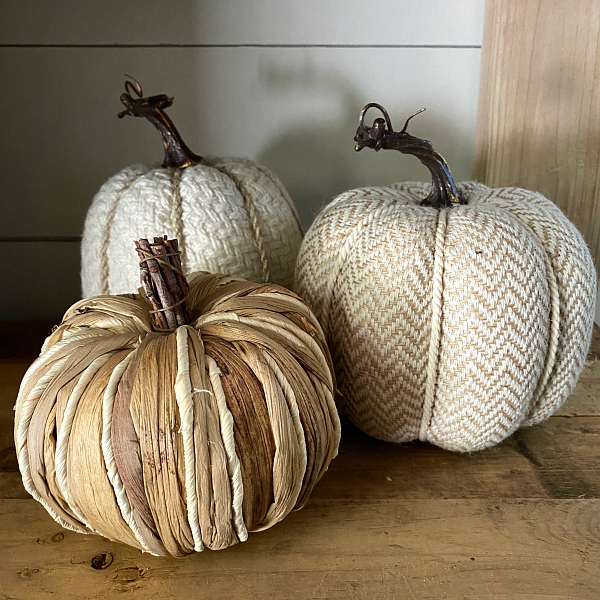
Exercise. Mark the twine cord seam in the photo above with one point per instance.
(436, 324)
(104, 263)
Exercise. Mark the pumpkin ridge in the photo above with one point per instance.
(576, 281)
(354, 321)
(142, 533)
(501, 331)
(184, 398)
(284, 194)
(110, 219)
(252, 216)
(233, 462)
(551, 276)
(88, 481)
(125, 443)
(342, 256)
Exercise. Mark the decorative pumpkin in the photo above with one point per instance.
(456, 319)
(232, 215)
(172, 437)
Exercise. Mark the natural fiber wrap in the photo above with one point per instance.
(176, 442)
(230, 215)
(453, 326)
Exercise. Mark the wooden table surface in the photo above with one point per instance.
(519, 521)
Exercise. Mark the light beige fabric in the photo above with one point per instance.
(455, 326)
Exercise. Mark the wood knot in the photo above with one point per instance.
(102, 561)
(53, 539)
(25, 573)
(129, 576)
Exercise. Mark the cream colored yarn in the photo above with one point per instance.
(172, 443)
(230, 216)
(454, 327)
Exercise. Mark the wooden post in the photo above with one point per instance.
(538, 125)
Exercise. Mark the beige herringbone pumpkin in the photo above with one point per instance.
(454, 325)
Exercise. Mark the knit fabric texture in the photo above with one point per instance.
(454, 326)
(230, 216)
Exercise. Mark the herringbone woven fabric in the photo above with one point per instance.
(455, 326)
(230, 215)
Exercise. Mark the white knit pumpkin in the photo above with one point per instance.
(231, 215)
(453, 326)
(202, 206)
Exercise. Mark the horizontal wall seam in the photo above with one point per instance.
(448, 46)
(39, 238)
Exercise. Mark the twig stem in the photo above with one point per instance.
(163, 283)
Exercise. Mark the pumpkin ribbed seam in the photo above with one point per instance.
(284, 194)
(553, 317)
(342, 256)
(22, 425)
(233, 462)
(110, 219)
(184, 397)
(64, 432)
(252, 218)
(177, 215)
(553, 333)
(436, 325)
(107, 452)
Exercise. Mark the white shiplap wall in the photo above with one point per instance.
(278, 82)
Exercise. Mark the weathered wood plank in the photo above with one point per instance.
(559, 458)
(479, 549)
(538, 123)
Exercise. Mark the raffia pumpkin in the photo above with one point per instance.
(455, 319)
(231, 215)
(175, 441)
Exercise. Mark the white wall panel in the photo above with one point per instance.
(365, 22)
(293, 109)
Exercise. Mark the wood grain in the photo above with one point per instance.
(516, 521)
(538, 124)
(453, 549)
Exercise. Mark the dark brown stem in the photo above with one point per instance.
(444, 193)
(159, 249)
(162, 284)
(146, 280)
(172, 247)
(177, 154)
